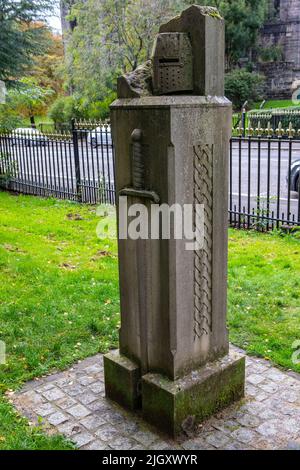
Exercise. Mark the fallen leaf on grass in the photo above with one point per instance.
(13, 249)
(101, 254)
(67, 266)
(72, 216)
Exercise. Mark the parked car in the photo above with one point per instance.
(295, 175)
(101, 136)
(28, 136)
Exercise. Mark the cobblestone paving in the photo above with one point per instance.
(73, 403)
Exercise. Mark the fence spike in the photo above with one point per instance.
(240, 129)
(280, 131)
(291, 131)
(269, 130)
(250, 129)
(259, 129)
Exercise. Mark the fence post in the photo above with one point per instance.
(244, 118)
(76, 162)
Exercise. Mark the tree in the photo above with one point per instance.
(110, 37)
(241, 86)
(21, 35)
(243, 18)
(9, 118)
(29, 99)
(130, 27)
(47, 69)
(63, 110)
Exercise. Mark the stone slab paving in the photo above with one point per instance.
(73, 403)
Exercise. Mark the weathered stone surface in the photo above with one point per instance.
(206, 29)
(172, 64)
(92, 423)
(57, 418)
(46, 409)
(78, 411)
(82, 439)
(53, 394)
(161, 335)
(107, 433)
(218, 440)
(122, 378)
(167, 404)
(137, 83)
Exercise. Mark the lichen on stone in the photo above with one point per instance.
(210, 11)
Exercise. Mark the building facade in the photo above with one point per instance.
(282, 32)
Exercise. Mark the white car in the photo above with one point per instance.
(101, 136)
(28, 136)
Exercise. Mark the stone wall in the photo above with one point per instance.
(280, 77)
(283, 30)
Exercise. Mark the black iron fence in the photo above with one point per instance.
(264, 181)
(264, 169)
(77, 165)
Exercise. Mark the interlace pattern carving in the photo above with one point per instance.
(203, 194)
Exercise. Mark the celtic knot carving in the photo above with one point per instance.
(203, 194)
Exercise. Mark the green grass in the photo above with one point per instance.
(275, 104)
(59, 298)
(15, 433)
(58, 288)
(38, 120)
(264, 293)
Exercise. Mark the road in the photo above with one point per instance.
(265, 174)
(54, 166)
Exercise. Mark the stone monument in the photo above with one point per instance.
(171, 127)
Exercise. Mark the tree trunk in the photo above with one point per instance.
(32, 122)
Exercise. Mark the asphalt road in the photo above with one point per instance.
(54, 165)
(265, 174)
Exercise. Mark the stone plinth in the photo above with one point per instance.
(122, 380)
(169, 404)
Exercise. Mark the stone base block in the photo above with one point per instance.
(122, 380)
(170, 406)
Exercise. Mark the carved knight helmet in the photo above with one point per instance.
(172, 64)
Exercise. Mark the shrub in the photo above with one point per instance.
(63, 110)
(7, 168)
(241, 85)
(100, 109)
(271, 54)
(9, 119)
(56, 111)
(66, 108)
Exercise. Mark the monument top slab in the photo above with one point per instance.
(188, 58)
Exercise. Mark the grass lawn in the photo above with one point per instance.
(38, 120)
(59, 297)
(275, 104)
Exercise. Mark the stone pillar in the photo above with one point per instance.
(171, 127)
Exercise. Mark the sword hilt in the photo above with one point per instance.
(138, 167)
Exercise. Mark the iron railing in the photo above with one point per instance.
(77, 165)
(264, 175)
(264, 182)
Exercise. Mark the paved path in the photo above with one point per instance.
(73, 403)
